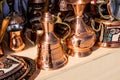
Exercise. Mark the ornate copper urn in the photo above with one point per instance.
(50, 52)
(82, 37)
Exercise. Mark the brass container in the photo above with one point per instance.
(82, 37)
(50, 52)
(109, 33)
(14, 29)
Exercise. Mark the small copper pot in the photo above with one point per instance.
(109, 33)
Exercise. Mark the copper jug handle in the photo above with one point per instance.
(59, 20)
(99, 7)
(101, 27)
(39, 33)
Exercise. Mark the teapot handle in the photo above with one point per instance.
(99, 7)
(59, 20)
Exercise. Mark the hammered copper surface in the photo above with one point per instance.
(50, 52)
(82, 37)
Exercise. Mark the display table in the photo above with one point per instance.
(102, 64)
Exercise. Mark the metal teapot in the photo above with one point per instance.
(50, 50)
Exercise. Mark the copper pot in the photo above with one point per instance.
(82, 37)
(109, 33)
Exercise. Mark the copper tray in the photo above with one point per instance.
(17, 68)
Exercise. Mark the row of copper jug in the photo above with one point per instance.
(58, 37)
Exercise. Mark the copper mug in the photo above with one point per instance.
(51, 54)
(14, 29)
(82, 38)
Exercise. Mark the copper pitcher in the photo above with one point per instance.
(14, 29)
(50, 52)
(82, 37)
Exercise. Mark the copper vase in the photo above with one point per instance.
(82, 37)
(50, 52)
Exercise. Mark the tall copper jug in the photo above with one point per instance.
(50, 52)
(14, 29)
(82, 37)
